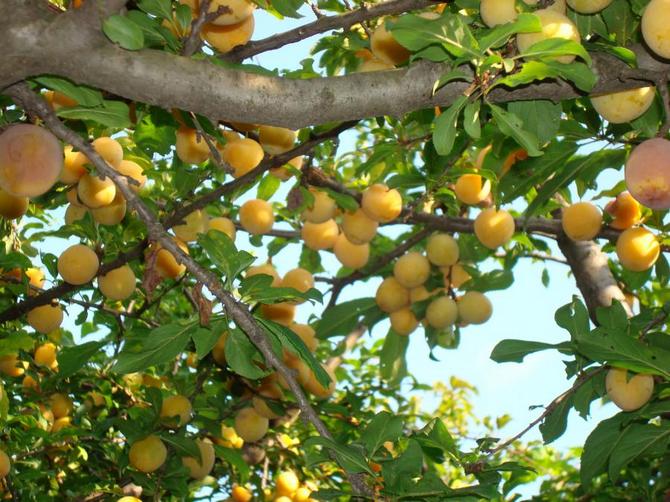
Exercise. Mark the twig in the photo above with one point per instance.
(662, 86)
(216, 155)
(324, 24)
(581, 380)
(193, 41)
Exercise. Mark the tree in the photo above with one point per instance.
(184, 375)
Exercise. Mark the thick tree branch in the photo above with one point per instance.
(62, 45)
(237, 311)
(325, 24)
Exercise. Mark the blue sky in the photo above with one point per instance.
(525, 311)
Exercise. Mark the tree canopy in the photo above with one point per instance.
(430, 146)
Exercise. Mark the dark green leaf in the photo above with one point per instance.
(384, 426)
(341, 319)
(83, 95)
(162, 344)
(511, 125)
(113, 114)
(72, 359)
(348, 458)
(514, 351)
(123, 31)
(445, 130)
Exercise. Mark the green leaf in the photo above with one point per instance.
(450, 32)
(204, 339)
(344, 201)
(496, 37)
(514, 351)
(225, 256)
(598, 447)
(267, 187)
(342, 319)
(554, 424)
(636, 441)
(293, 343)
(555, 47)
(540, 117)
(578, 73)
(383, 427)
(348, 458)
(399, 475)
(15, 341)
(184, 446)
(471, 120)
(511, 125)
(83, 95)
(490, 281)
(4, 403)
(160, 346)
(620, 21)
(114, 114)
(574, 317)
(613, 317)
(235, 459)
(160, 8)
(445, 129)
(288, 8)
(72, 359)
(243, 357)
(123, 31)
(258, 288)
(393, 365)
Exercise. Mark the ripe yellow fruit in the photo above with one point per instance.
(581, 221)
(656, 28)
(403, 321)
(58, 100)
(358, 227)
(286, 483)
(313, 386)
(198, 469)
(391, 295)
(299, 279)
(442, 312)
(11, 366)
(351, 255)
(176, 407)
(111, 214)
(45, 318)
(78, 264)
(647, 173)
(474, 308)
(95, 192)
(241, 494)
(628, 394)
(472, 189)
(45, 355)
(588, 6)
(194, 224)
(31, 160)
(306, 334)
(133, 171)
(226, 38)
(283, 173)
(148, 454)
(381, 203)
(167, 265)
(35, 277)
(230, 439)
(117, 284)
(276, 140)
(637, 249)
(256, 216)
(442, 250)
(494, 227)
(374, 64)
(265, 269)
(219, 350)
(73, 197)
(129, 499)
(624, 106)
(29, 383)
(224, 225)
(495, 12)
(242, 155)
(61, 405)
(625, 210)
(318, 236)
(109, 149)
(12, 207)
(411, 270)
(190, 146)
(238, 11)
(283, 313)
(61, 423)
(74, 213)
(5, 464)
(386, 48)
(455, 276)
(554, 25)
(322, 209)
(419, 294)
(74, 166)
(250, 426)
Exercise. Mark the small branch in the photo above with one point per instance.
(581, 380)
(193, 40)
(662, 86)
(535, 255)
(323, 24)
(216, 155)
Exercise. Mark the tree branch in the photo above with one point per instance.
(63, 46)
(324, 24)
(238, 312)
